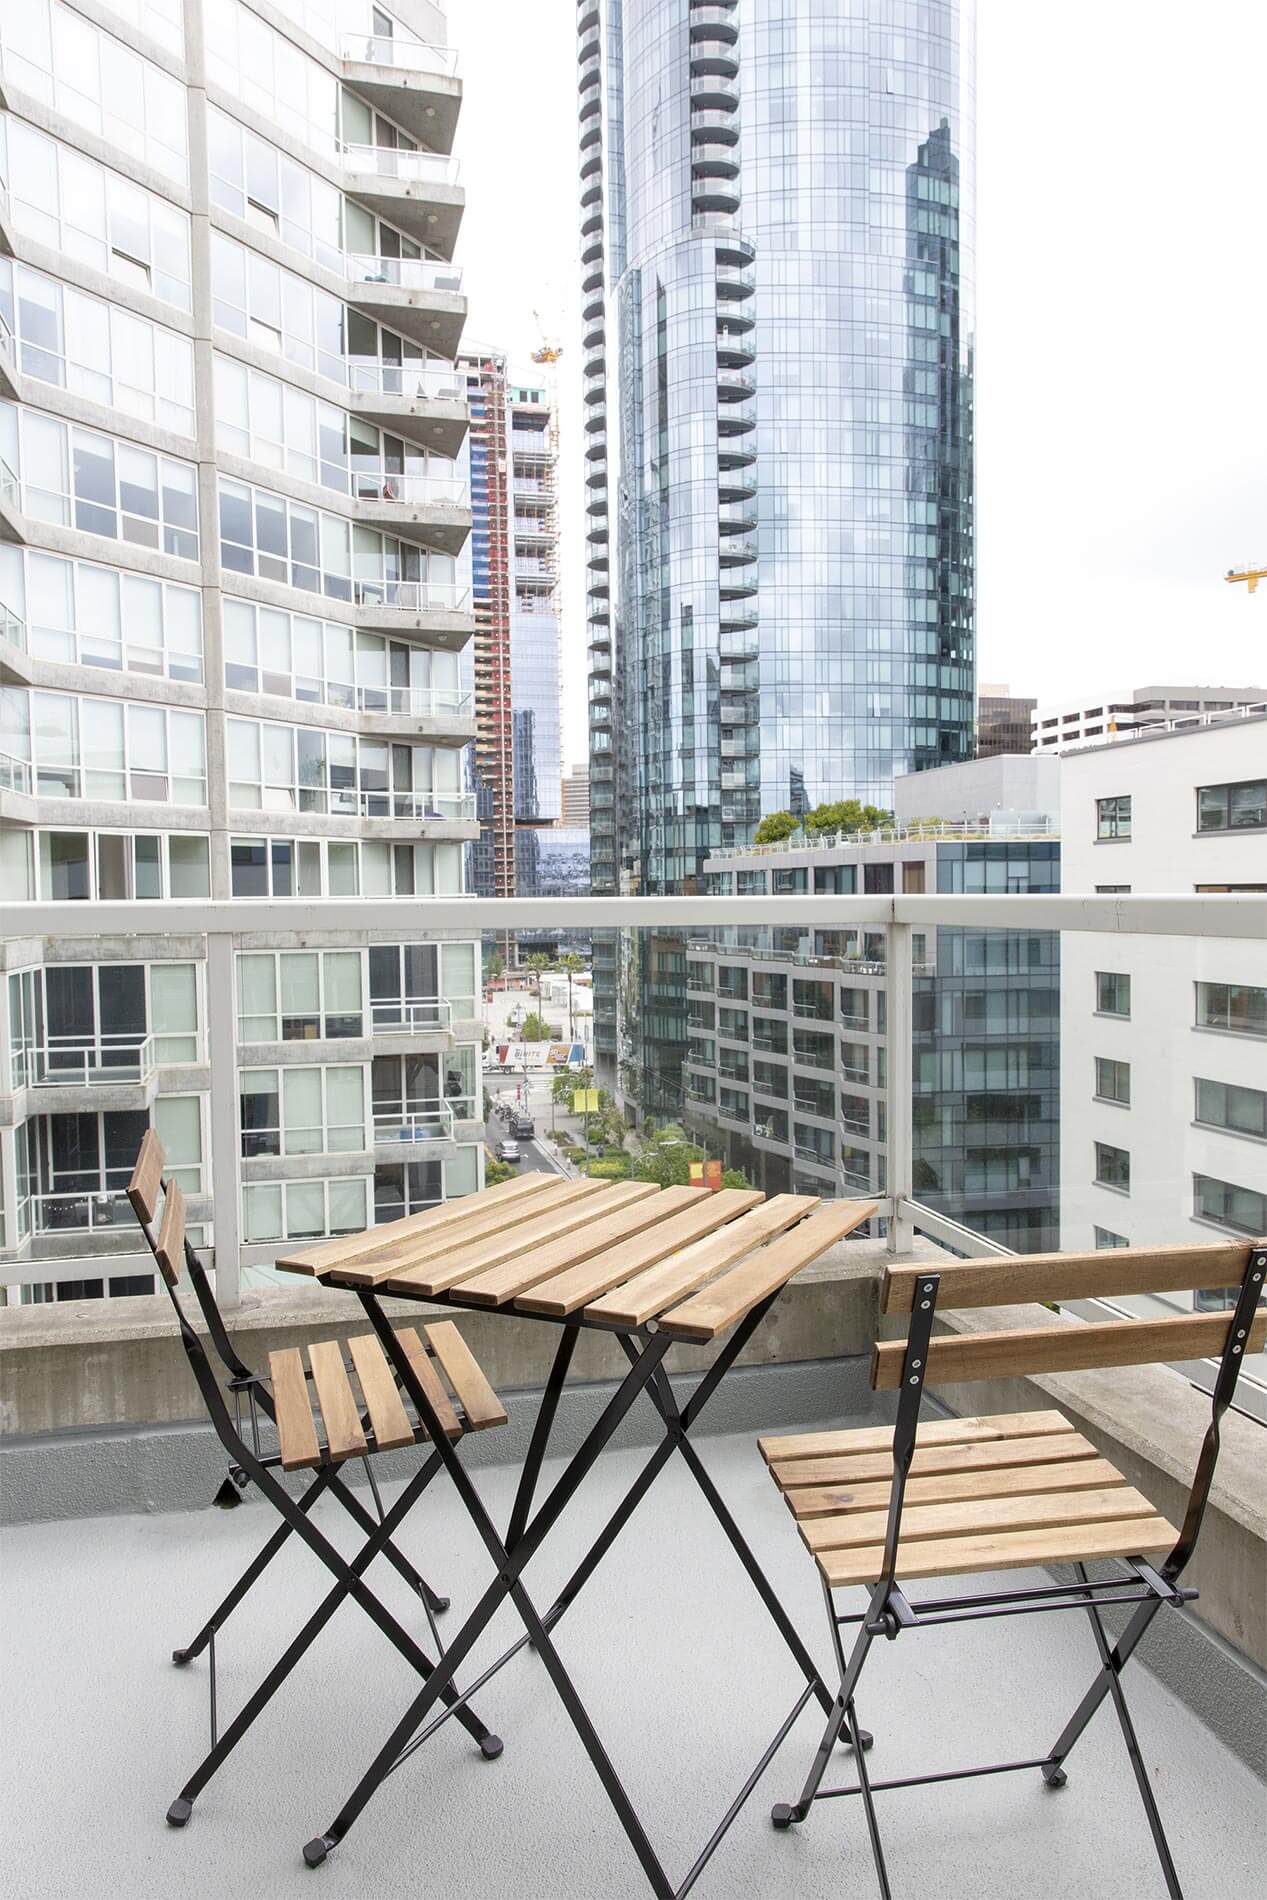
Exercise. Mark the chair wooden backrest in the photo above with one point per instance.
(1073, 1345)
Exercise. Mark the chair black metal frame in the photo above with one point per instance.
(171, 1249)
(1146, 1587)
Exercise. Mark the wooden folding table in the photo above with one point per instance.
(650, 1265)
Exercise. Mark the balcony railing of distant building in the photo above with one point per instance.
(417, 1122)
(417, 702)
(15, 774)
(409, 164)
(413, 490)
(415, 56)
(403, 273)
(927, 831)
(413, 596)
(411, 1015)
(12, 627)
(1144, 727)
(84, 1061)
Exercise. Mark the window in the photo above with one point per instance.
(303, 1210)
(328, 867)
(1113, 817)
(89, 615)
(116, 1019)
(270, 76)
(1112, 1080)
(1112, 993)
(322, 662)
(1238, 1007)
(1106, 1238)
(95, 216)
(71, 65)
(1242, 1111)
(1241, 806)
(110, 749)
(283, 540)
(77, 478)
(68, 865)
(1244, 1210)
(1112, 1167)
(303, 768)
(303, 1111)
(1112, 890)
(259, 183)
(296, 996)
(99, 350)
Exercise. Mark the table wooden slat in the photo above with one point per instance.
(644, 1205)
(575, 1206)
(479, 1401)
(728, 1300)
(385, 1262)
(570, 1290)
(327, 1254)
(388, 1418)
(640, 1299)
(430, 1381)
(334, 1394)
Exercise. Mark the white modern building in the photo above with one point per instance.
(231, 521)
(1058, 725)
(1165, 1136)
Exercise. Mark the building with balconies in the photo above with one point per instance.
(233, 515)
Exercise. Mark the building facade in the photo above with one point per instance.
(1164, 1045)
(231, 521)
(787, 1064)
(1146, 709)
(1003, 721)
(576, 797)
(515, 663)
(776, 218)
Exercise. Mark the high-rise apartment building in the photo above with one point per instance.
(776, 227)
(231, 517)
(1003, 721)
(515, 661)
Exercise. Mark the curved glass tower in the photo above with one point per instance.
(785, 294)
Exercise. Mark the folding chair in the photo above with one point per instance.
(320, 1424)
(969, 1495)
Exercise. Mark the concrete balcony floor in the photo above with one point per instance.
(682, 1671)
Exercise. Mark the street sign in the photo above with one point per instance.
(584, 1101)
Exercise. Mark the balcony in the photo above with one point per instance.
(432, 509)
(409, 82)
(418, 192)
(420, 297)
(444, 715)
(440, 611)
(418, 1122)
(424, 402)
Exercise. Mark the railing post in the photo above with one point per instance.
(222, 1119)
(899, 1071)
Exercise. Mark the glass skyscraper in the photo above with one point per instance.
(776, 213)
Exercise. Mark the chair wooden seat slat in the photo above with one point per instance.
(725, 1301)
(932, 1431)
(388, 1417)
(481, 1404)
(1002, 1550)
(339, 1412)
(430, 1381)
(1079, 1474)
(966, 1516)
(993, 1454)
(295, 1428)
(569, 1291)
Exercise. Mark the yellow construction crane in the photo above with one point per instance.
(551, 349)
(1251, 573)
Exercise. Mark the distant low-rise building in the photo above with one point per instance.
(1056, 726)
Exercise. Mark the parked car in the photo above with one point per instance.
(509, 1151)
(523, 1126)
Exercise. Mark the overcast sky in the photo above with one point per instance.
(1122, 322)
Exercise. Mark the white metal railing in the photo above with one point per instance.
(416, 702)
(416, 491)
(411, 1015)
(76, 1212)
(70, 1061)
(419, 1121)
(415, 597)
(427, 382)
(415, 56)
(10, 487)
(442, 807)
(930, 830)
(403, 273)
(15, 774)
(1144, 727)
(8, 342)
(411, 165)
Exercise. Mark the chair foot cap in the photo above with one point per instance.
(316, 1850)
(864, 1736)
(181, 1656)
(782, 1815)
(491, 1747)
(1056, 1778)
(439, 1605)
(179, 1812)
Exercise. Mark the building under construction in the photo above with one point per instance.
(517, 760)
